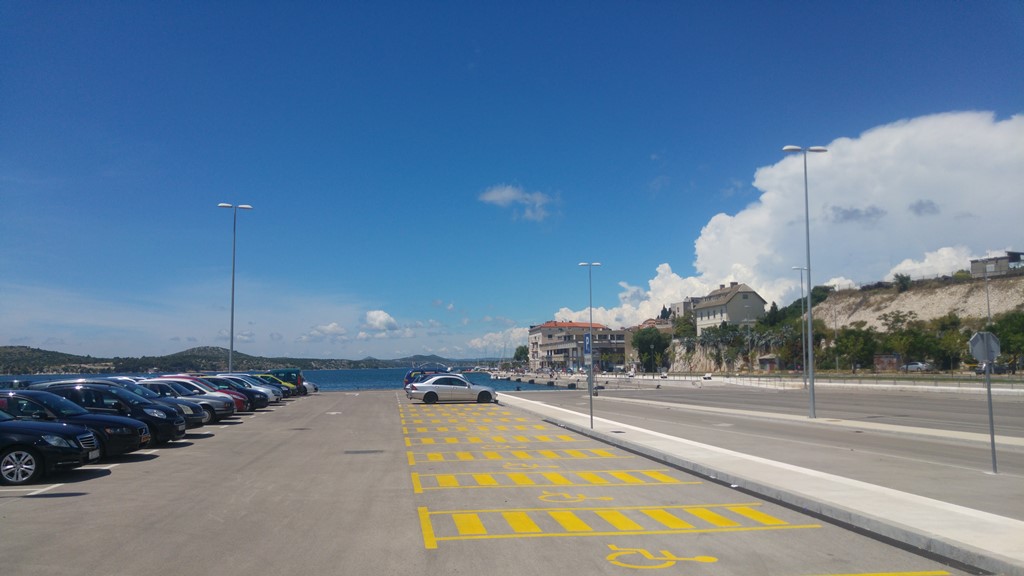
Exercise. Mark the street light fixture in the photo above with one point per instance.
(234, 233)
(807, 228)
(590, 335)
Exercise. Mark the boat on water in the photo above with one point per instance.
(425, 368)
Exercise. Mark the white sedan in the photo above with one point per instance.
(449, 388)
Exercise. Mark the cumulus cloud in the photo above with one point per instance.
(502, 343)
(379, 325)
(379, 320)
(921, 197)
(527, 205)
(332, 332)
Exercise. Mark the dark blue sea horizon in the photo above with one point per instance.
(332, 380)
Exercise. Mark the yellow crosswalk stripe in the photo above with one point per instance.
(468, 524)
(618, 520)
(712, 517)
(521, 523)
(598, 521)
(569, 521)
(667, 519)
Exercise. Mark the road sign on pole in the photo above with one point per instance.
(985, 349)
(984, 346)
(586, 349)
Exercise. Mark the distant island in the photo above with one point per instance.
(15, 360)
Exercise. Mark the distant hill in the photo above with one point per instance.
(26, 360)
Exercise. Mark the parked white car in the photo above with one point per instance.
(449, 388)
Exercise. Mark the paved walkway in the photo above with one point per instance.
(976, 538)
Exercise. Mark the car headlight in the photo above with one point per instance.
(187, 409)
(115, 430)
(54, 440)
(154, 413)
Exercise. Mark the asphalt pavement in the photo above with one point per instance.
(933, 523)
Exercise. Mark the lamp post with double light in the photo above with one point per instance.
(234, 234)
(590, 335)
(807, 229)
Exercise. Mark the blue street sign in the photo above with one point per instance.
(586, 344)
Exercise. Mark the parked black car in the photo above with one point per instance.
(116, 435)
(165, 424)
(29, 450)
(192, 411)
(215, 408)
(996, 368)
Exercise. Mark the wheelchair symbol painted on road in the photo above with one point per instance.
(523, 466)
(650, 561)
(563, 497)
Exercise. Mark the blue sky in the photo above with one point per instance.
(425, 176)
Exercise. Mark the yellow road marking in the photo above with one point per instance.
(537, 477)
(513, 455)
(521, 523)
(602, 521)
(469, 524)
(667, 519)
(569, 521)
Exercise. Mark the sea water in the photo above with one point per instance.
(391, 379)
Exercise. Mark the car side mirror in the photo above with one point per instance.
(122, 407)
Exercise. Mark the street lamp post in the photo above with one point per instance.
(234, 233)
(807, 229)
(803, 328)
(590, 335)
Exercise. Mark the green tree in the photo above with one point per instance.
(1009, 328)
(902, 282)
(650, 341)
(684, 326)
(522, 354)
(951, 339)
(858, 344)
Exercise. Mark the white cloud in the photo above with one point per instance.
(936, 263)
(380, 320)
(918, 197)
(332, 332)
(501, 343)
(531, 205)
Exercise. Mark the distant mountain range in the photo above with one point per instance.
(25, 360)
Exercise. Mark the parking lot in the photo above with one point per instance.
(369, 482)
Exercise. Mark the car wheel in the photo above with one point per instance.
(19, 466)
(429, 398)
(484, 397)
(208, 415)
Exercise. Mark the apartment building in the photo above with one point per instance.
(559, 346)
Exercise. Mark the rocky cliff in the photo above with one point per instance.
(928, 300)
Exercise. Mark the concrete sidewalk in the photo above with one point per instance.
(976, 538)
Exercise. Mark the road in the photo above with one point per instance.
(371, 483)
(927, 443)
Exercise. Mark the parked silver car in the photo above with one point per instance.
(449, 388)
(246, 381)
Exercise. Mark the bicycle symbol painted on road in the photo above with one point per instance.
(565, 497)
(650, 561)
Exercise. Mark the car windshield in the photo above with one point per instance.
(141, 391)
(181, 388)
(131, 398)
(60, 405)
